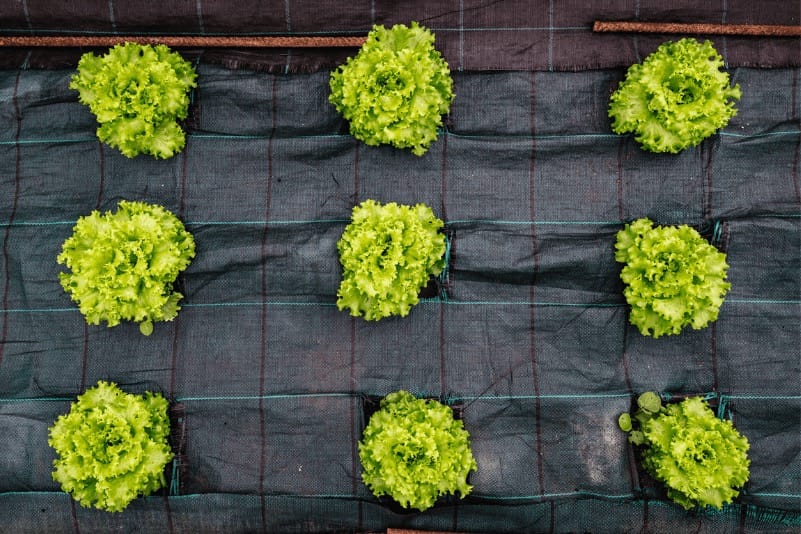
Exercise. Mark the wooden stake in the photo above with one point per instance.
(186, 41)
(758, 30)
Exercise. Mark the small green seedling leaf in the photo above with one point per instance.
(146, 328)
(649, 402)
(624, 422)
(636, 437)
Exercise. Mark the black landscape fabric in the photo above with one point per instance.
(472, 34)
(528, 333)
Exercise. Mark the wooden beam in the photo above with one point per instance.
(757, 30)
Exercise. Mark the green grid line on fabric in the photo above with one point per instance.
(448, 399)
(544, 137)
(278, 222)
(433, 300)
(533, 498)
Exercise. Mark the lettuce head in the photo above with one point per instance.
(414, 451)
(702, 460)
(138, 93)
(674, 278)
(388, 252)
(123, 264)
(396, 89)
(676, 98)
(111, 447)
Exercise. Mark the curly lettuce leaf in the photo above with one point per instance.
(124, 264)
(676, 98)
(701, 459)
(111, 446)
(673, 277)
(388, 253)
(414, 451)
(137, 92)
(396, 89)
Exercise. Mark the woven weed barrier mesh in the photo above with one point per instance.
(526, 332)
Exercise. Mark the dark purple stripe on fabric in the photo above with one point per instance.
(724, 245)
(74, 516)
(442, 387)
(14, 205)
(444, 214)
(176, 321)
(168, 514)
(708, 207)
(532, 167)
(635, 41)
(625, 358)
(743, 518)
(263, 359)
(795, 116)
(532, 307)
(633, 477)
(84, 357)
(621, 144)
(645, 515)
(182, 203)
(101, 160)
(176, 330)
(354, 431)
(714, 350)
(100, 190)
(356, 183)
(796, 185)
(449, 279)
(352, 355)
(174, 359)
(444, 171)
(708, 216)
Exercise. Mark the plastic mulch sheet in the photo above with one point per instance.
(526, 331)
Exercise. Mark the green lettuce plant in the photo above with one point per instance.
(388, 253)
(414, 451)
(137, 92)
(396, 89)
(673, 277)
(111, 446)
(676, 98)
(702, 460)
(124, 264)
